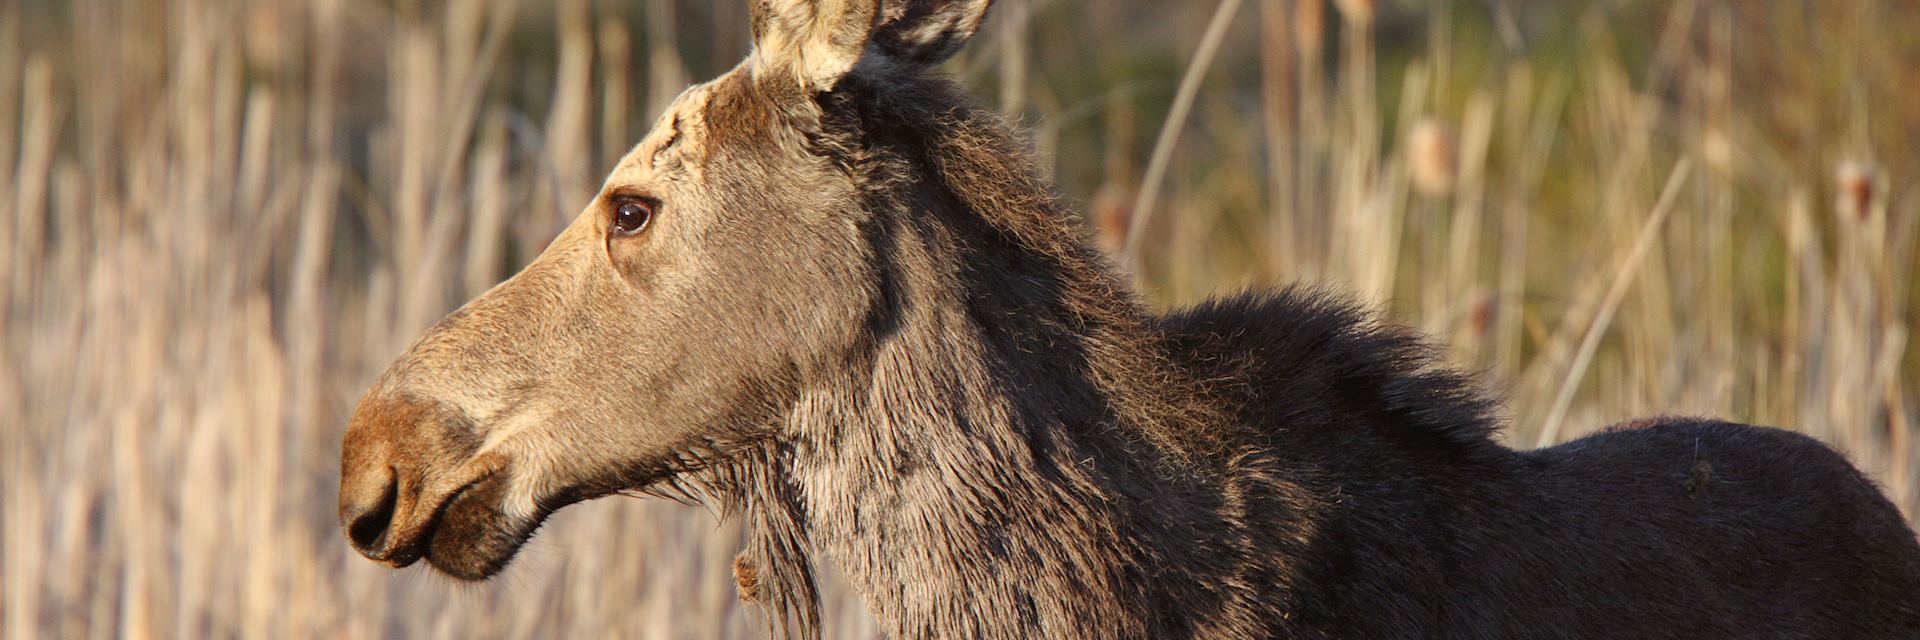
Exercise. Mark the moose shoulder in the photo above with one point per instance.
(833, 296)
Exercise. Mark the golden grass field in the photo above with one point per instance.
(222, 218)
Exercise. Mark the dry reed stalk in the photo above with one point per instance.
(1359, 13)
(1617, 291)
(1467, 298)
(11, 65)
(1366, 203)
(40, 116)
(616, 95)
(567, 136)
(1312, 171)
(1278, 86)
(1530, 140)
(491, 199)
(1014, 57)
(21, 539)
(1805, 292)
(666, 75)
(1162, 157)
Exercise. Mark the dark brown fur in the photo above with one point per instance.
(1269, 465)
(1011, 446)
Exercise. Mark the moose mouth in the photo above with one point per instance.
(467, 536)
(471, 538)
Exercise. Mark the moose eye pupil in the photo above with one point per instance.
(631, 217)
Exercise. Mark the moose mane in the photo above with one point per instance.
(1032, 281)
(1201, 358)
(1119, 405)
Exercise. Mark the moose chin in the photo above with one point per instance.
(836, 298)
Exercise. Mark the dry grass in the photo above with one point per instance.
(223, 217)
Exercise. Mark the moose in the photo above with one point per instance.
(834, 297)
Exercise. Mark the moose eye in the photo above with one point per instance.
(630, 217)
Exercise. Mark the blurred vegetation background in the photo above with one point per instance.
(222, 218)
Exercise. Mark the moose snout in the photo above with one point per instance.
(388, 490)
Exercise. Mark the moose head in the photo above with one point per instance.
(730, 266)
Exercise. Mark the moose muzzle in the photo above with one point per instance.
(402, 462)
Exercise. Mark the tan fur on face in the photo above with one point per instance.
(615, 361)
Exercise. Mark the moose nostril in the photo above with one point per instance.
(368, 529)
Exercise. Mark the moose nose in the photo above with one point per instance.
(381, 475)
(367, 521)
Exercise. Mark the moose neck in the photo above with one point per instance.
(1020, 451)
(969, 486)
(1023, 456)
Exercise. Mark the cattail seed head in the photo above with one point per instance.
(1112, 213)
(1856, 184)
(1716, 149)
(1432, 158)
(1484, 309)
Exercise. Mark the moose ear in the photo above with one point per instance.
(927, 32)
(815, 41)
